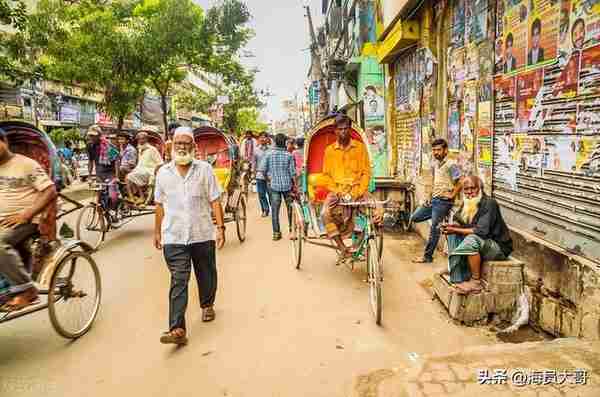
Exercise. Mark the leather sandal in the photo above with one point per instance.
(208, 314)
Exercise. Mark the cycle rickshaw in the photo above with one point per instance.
(221, 151)
(96, 219)
(64, 272)
(306, 226)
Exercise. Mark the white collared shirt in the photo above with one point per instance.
(187, 203)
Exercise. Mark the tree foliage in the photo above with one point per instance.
(93, 44)
(248, 119)
(18, 58)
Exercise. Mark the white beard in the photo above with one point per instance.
(470, 207)
(183, 157)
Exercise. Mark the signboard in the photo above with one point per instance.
(69, 114)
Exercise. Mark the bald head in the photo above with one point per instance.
(471, 186)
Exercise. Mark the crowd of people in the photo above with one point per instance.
(187, 196)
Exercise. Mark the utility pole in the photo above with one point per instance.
(317, 66)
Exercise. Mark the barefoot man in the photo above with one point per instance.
(187, 192)
(347, 171)
(477, 234)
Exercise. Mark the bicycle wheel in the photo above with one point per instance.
(375, 280)
(409, 209)
(91, 225)
(74, 295)
(379, 240)
(298, 233)
(240, 218)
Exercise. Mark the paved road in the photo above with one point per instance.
(278, 332)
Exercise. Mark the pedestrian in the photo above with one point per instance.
(187, 192)
(261, 183)
(446, 186)
(299, 155)
(280, 171)
(169, 142)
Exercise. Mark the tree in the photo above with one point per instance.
(92, 43)
(176, 38)
(248, 119)
(17, 57)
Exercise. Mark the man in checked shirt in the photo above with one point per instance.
(280, 170)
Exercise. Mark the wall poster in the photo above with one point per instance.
(528, 86)
(514, 39)
(542, 29)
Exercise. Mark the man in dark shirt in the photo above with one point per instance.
(101, 154)
(479, 233)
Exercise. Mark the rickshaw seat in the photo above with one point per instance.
(223, 175)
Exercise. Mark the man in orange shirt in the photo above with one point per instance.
(347, 172)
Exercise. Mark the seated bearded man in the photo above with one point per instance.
(346, 172)
(149, 159)
(478, 234)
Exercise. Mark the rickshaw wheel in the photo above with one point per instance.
(91, 225)
(295, 230)
(74, 295)
(375, 279)
(379, 241)
(240, 218)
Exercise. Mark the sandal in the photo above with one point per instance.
(171, 338)
(21, 303)
(208, 314)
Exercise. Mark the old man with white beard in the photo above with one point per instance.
(478, 233)
(187, 192)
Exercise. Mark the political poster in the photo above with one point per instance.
(579, 26)
(528, 86)
(542, 30)
(476, 20)
(589, 74)
(515, 35)
(588, 117)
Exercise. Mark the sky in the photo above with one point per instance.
(280, 47)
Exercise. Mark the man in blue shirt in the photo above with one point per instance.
(261, 183)
(280, 170)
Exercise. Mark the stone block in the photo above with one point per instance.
(503, 276)
(590, 326)
(554, 267)
(570, 284)
(550, 315)
(569, 323)
(467, 309)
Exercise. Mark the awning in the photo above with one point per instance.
(403, 35)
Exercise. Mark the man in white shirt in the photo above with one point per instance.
(186, 193)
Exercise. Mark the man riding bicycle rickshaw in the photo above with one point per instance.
(346, 176)
(25, 192)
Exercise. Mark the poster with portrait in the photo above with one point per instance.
(528, 86)
(484, 133)
(458, 23)
(374, 110)
(579, 26)
(542, 30)
(566, 84)
(589, 74)
(504, 88)
(515, 36)
(456, 72)
(374, 105)
(454, 116)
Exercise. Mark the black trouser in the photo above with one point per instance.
(180, 259)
